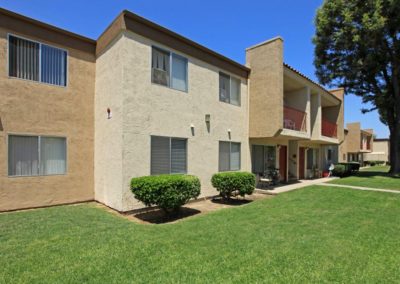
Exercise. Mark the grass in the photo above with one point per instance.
(317, 234)
(376, 177)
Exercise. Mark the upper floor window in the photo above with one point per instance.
(35, 61)
(169, 69)
(229, 89)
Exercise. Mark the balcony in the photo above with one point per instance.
(329, 129)
(294, 119)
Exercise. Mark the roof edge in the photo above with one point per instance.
(265, 42)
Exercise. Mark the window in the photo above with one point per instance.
(229, 156)
(312, 158)
(229, 89)
(169, 69)
(36, 61)
(36, 155)
(329, 154)
(168, 155)
(264, 158)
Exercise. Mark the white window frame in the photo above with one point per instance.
(230, 88)
(39, 137)
(230, 153)
(170, 55)
(170, 153)
(40, 61)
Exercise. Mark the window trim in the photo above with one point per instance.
(171, 54)
(170, 153)
(230, 88)
(230, 153)
(38, 136)
(40, 61)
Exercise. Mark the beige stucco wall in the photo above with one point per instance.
(316, 116)
(380, 152)
(28, 107)
(141, 109)
(266, 88)
(353, 137)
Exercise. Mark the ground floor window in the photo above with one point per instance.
(264, 158)
(353, 157)
(168, 155)
(36, 155)
(312, 158)
(229, 156)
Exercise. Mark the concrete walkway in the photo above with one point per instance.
(289, 187)
(361, 188)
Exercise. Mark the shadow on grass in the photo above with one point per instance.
(368, 174)
(232, 201)
(159, 216)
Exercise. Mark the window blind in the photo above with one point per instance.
(23, 155)
(178, 156)
(160, 155)
(23, 59)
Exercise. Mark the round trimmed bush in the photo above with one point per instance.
(339, 170)
(234, 183)
(169, 192)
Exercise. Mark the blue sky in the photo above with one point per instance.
(227, 27)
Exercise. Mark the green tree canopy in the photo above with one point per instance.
(357, 46)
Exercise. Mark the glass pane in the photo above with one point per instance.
(160, 67)
(178, 156)
(235, 157)
(54, 65)
(235, 92)
(23, 155)
(258, 159)
(270, 157)
(160, 155)
(23, 59)
(224, 87)
(179, 73)
(53, 156)
(224, 156)
(310, 159)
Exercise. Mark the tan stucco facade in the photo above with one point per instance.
(141, 109)
(28, 107)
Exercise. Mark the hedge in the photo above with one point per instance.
(169, 192)
(234, 183)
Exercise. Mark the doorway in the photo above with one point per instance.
(301, 162)
(283, 162)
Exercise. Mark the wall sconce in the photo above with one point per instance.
(208, 118)
(192, 128)
(109, 113)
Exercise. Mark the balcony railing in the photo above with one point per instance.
(294, 119)
(329, 129)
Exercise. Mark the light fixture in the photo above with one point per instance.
(208, 118)
(109, 113)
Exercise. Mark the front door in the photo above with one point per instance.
(283, 162)
(301, 162)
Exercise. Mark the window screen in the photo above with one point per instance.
(179, 73)
(53, 65)
(229, 89)
(168, 155)
(229, 156)
(36, 155)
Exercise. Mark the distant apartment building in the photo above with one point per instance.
(80, 117)
(381, 151)
(357, 143)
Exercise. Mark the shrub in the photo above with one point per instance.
(169, 192)
(354, 167)
(339, 170)
(234, 183)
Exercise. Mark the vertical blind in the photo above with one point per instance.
(38, 62)
(168, 155)
(264, 158)
(23, 59)
(34, 155)
(229, 156)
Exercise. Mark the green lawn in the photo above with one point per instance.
(316, 234)
(375, 177)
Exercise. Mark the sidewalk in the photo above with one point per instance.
(292, 186)
(361, 188)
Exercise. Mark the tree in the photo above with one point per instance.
(357, 47)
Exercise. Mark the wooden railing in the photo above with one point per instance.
(294, 119)
(329, 129)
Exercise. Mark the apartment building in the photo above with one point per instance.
(295, 124)
(381, 151)
(80, 117)
(357, 143)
